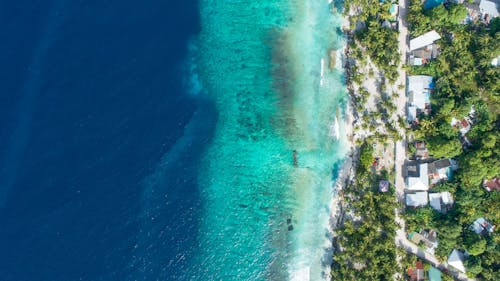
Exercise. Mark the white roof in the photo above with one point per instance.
(417, 199)
(418, 87)
(424, 40)
(435, 200)
(455, 260)
(418, 61)
(420, 183)
(477, 226)
(447, 198)
(496, 61)
(412, 113)
(488, 7)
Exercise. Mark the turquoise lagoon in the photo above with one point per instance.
(265, 65)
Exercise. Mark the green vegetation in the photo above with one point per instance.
(375, 39)
(464, 77)
(439, 18)
(366, 239)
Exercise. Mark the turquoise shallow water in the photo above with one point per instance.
(265, 65)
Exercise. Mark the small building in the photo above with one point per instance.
(493, 184)
(463, 125)
(421, 152)
(441, 170)
(489, 9)
(417, 199)
(424, 55)
(426, 237)
(482, 226)
(434, 274)
(481, 10)
(456, 259)
(416, 176)
(383, 186)
(423, 48)
(419, 93)
(424, 40)
(417, 273)
(441, 201)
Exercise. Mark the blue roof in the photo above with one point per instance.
(429, 4)
(392, 9)
(434, 274)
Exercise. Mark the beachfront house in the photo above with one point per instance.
(441, 201)
(416, 176)
(417, 199)
(419, 93)
(492, 184)
(482, 226)
(441, 170)
(423, 48)
(456, 259)
(427, 238)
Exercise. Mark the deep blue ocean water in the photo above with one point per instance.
(97, 174)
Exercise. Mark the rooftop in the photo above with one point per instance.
(417, 199)
(482, 226)
(456, 260)
(419, 89)
(434, 274)
(493, 184)
(417, 176)
(440, 201)
(489, 7)
(424, 40)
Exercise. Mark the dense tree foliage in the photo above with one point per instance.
(366, 239)
(379, 41)
(441, 17)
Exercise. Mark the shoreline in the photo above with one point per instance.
(346, 173)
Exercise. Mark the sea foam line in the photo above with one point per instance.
(317, 106)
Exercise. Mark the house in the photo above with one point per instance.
(489, 9)
(419, 92)
(482, 226)
(383, 186)
(481, 10)
(493, 184)
(421, 152)
(416, 176)
(417, 199)
(456, 259)
(463, 125)
(424, 40)
(423, 49)
(441, 170)
(441, 201)
(434, 274)
(426, 237)
(417, 273)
